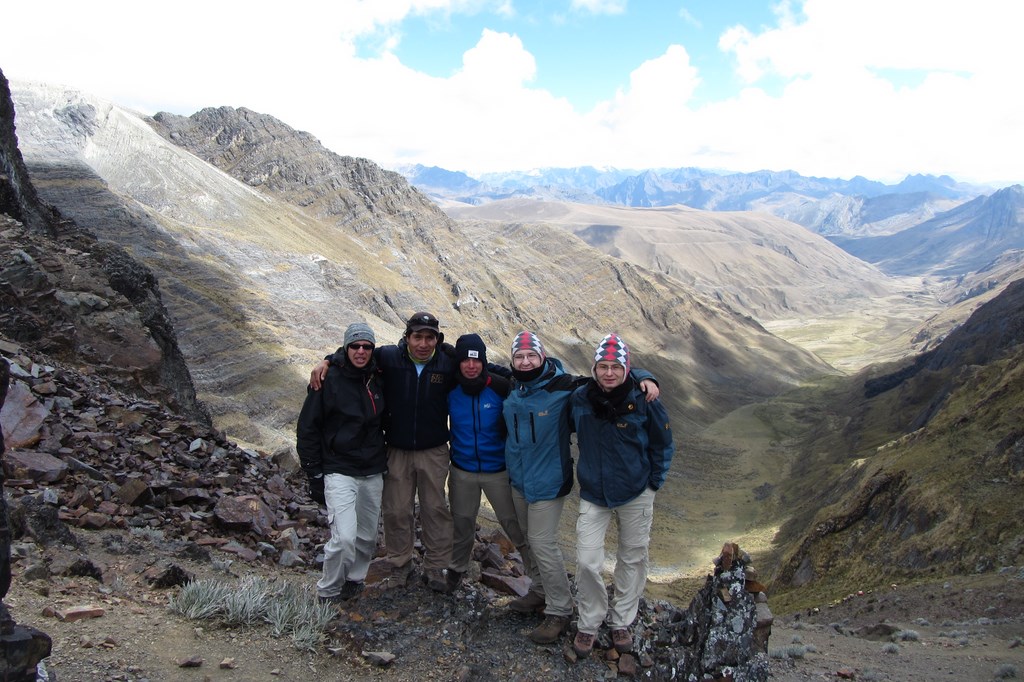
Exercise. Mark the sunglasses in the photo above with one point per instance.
(361, 346)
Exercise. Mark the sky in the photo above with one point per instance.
(830, 88)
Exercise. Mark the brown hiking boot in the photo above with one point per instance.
(435, 580)
(622, 640)
(399, 577)
(531, 602)
(550, 630)
(583, 644)
(453, 579)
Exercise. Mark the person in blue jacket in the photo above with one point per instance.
(477, 441)
(625, 449)
(540, 470)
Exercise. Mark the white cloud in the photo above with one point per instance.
(599, 6)
(835, 88)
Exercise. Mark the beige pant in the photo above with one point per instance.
(539, 520)
(416, 474)
(630, 577)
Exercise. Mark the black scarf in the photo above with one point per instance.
(530, 374)
(473, 386)
(611, 405)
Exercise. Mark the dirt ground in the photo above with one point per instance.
(961, 629)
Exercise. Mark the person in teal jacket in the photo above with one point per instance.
(540, 471)
(626, 448)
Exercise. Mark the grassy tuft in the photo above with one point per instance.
(286, 607)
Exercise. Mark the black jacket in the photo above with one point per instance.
(417, 404)
(340, 426)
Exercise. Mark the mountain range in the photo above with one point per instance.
(826, 206)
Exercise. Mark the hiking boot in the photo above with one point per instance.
(453, 579)
(399, 577)
(350, 589)
(550, 630)
(583, 644)
(334, 599)
(435, 580)
(622, 640)
(530, 603)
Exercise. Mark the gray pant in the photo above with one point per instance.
(353, 512)
(540, 521)
(464, 490)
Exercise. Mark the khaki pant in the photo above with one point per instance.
(418, 474)
(630, 577)
(353, 510)
(464, 489)
(540, 522)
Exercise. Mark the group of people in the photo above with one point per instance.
(383, 427)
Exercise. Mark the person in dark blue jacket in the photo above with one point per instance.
(340, 444)
(537, 452)
(625, 449)
(477, 441)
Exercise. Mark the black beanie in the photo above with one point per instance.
(471, 346)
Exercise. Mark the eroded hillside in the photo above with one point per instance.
(263, 268)
(912, 470)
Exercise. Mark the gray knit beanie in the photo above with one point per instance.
(359, 331)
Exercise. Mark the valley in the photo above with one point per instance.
(846, 425)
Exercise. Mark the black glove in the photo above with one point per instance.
(316, 489)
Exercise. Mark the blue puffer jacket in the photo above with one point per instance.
(477, 427)
(623, 453)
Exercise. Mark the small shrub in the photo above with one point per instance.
(200, 599)
(247, 603)
(891, 648)
(907, 636)
(1006, 671)
(287, 608)
(797, 639)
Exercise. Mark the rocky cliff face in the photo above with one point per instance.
(77, 298)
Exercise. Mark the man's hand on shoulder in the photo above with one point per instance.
(316, 377)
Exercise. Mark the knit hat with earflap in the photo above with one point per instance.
(611, 349)
(528, 341)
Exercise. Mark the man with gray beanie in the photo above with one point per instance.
(340, 441)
